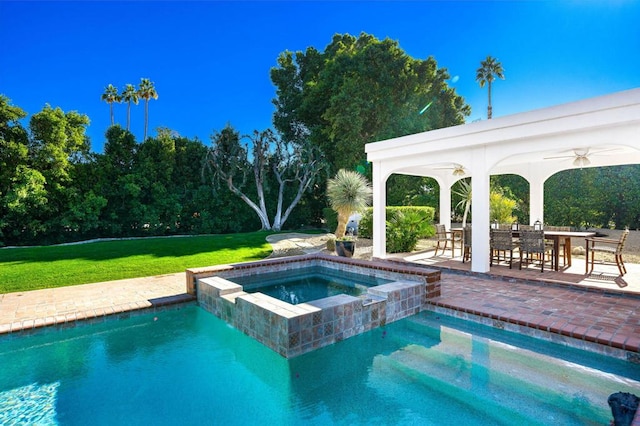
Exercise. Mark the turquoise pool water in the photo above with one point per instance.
(306, 284)
(186, 366)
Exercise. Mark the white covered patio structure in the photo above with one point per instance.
(597, 132)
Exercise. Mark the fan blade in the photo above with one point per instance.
(559, 156)
(603, 150)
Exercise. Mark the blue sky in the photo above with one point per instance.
(210, 60)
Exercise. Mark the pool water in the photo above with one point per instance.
(185, 366)
(307, 284)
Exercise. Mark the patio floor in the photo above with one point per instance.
(599, 310)
(605, 276)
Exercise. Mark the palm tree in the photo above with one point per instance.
(110, 96)
(489, 69)
(146, 91)
(129, 94)
(348, 192)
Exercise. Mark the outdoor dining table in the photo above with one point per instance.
(557, 236)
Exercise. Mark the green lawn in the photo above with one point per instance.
(34, 268)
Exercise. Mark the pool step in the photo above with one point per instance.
(231, 297)
(466, 369)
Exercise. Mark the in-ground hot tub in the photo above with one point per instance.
(292, 329)
(307, 284)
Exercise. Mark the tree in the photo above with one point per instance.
(617, 194)
(489, 69)
(40, 195)
(501, 202)
(357, 91)
(501, 207)
(111, 96)
(146, 91)
(348, 192)
(20, 186)
(129, 94)
(464, 192)
(517, 188)
(277, 167)
(405, 190)
(14, 141)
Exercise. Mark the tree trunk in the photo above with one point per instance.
(146, 118)
(128, 115)
(489, 108)
(264, 218)
(343, 218)
(466, 212)
(262, 213)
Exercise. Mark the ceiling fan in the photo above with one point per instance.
(581, 156)
(458, 169)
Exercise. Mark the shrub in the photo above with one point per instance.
(501, 207)
(405, 226)
(404, 229)
(365, 226)
(330, 219)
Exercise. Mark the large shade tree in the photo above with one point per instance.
(264, 169)
(489, 69)
(359, 90)
(21, 187)
(14, 140)
(146, 91)
(57, 146)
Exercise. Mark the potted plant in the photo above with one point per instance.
(348, 192)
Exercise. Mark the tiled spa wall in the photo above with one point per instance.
(292, 330)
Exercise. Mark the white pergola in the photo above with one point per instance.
(602, 131)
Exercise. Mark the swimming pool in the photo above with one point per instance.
(185, 366)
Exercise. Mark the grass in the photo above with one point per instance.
(32, 268)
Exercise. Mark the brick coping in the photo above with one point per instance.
(93, 315)
(431, 274)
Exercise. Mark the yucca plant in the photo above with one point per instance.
(348, 192)
(464, 192)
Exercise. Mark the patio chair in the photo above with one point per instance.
(501, 241)
(442, 239)
(608, 245)
(532, 243)
(466, 243)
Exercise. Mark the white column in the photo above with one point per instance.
(536, 200)
(445, 203)
(480, 216)
(379, 212)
